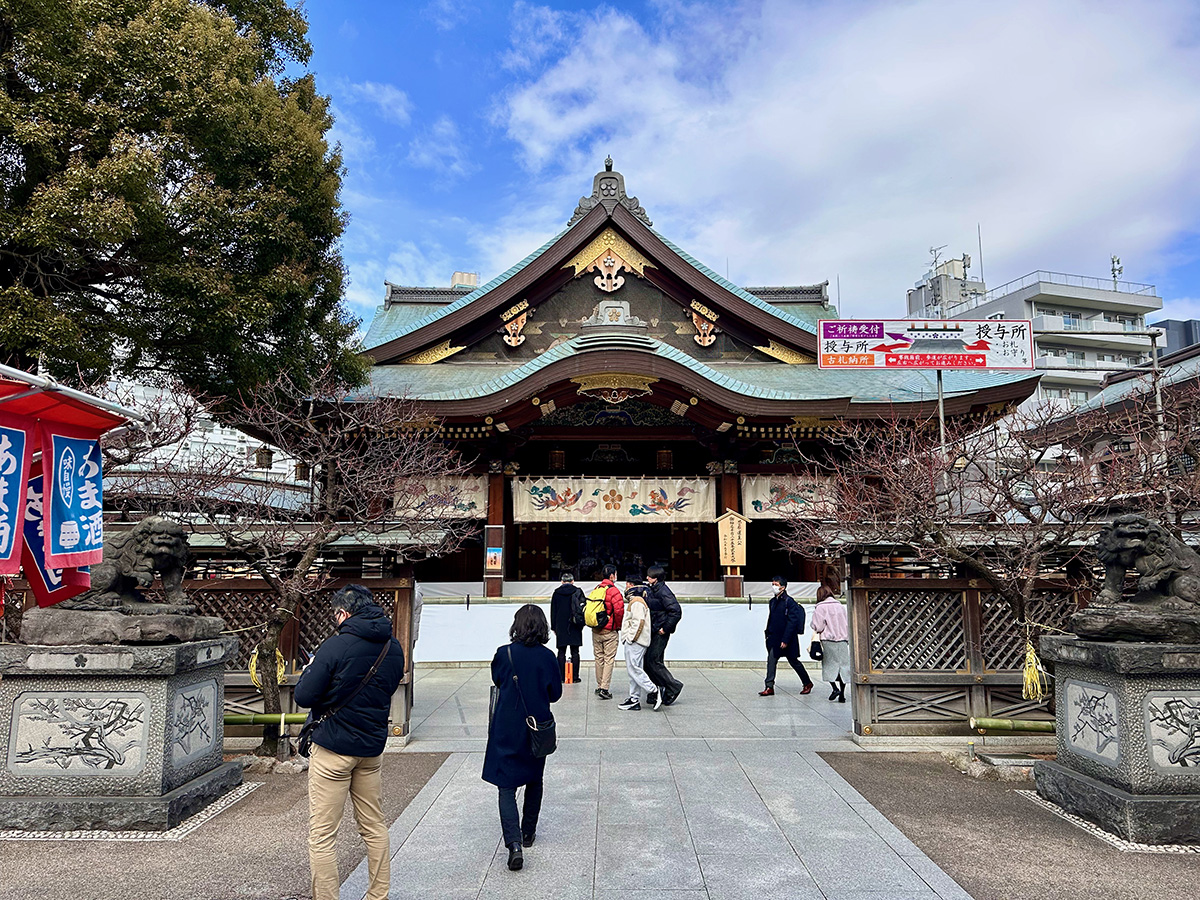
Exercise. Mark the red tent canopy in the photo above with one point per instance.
(22, 394)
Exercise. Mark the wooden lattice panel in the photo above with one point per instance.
(921, 704)
(1007, 703)
(917, 630)
(245, 613)
(1004, 639)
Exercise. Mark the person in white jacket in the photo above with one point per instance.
(635, 636)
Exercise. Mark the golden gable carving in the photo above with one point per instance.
(608, 241)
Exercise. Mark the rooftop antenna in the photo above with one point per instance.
(839, 295)
(936, 253)
(1117, 270)
(979, 235)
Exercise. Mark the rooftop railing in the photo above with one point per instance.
(1043, 276)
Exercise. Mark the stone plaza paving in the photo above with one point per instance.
(721, 796)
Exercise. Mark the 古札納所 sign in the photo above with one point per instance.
(925, 344)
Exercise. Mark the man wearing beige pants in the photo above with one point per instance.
(606, 637)
(348, 685)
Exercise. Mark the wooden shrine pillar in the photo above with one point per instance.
(493, 538)
(731, 500)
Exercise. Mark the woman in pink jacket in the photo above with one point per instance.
(831, 627)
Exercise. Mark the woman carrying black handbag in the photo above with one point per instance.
(521, 728)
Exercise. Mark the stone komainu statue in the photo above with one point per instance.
(1168, 569)
(131, 559)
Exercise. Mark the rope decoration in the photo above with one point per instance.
(280, 669)
(1034, 676)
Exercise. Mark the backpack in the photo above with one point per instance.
(595, 614)
(578, 602)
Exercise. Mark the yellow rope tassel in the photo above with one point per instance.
(280, 669)
(1034, 674)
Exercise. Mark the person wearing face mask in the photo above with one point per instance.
(785, 625)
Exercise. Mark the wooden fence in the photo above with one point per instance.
(929, 653)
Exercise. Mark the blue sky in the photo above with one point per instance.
(792, 141)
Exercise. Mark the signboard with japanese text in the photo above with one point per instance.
(74, 509)
(731, 537)
(49, 585)
(925, 344)
(16, 453)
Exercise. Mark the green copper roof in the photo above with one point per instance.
(1176, 373)
(767, 381)
(394, 320)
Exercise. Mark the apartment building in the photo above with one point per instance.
(1084, 328)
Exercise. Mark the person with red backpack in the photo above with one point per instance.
(604, 611)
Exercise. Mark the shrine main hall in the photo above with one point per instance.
(616, 396)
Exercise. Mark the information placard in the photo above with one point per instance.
(925, 344)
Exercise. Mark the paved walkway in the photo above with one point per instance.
(720, 797)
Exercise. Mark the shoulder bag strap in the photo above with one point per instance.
(362, 684)
(528, 718)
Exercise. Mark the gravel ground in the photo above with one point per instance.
(256, 850)
(998, 845)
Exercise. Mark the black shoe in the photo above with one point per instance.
(516, 859)
(577, 681)
(675, 696)
(834, 695)
(632, 703)
(604, 694)
(598, 691)
(652, 699)
(528, 839)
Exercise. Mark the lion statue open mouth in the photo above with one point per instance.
(132, 559)
(1166, 606)
(1168, 569)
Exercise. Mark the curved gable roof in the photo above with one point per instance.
(394, 333)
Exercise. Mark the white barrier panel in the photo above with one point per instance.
(708, 631)
(541, 590)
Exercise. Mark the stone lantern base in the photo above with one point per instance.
(1128, 735)
(112, 737)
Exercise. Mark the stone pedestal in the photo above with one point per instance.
(1128, 736)
(112, 737)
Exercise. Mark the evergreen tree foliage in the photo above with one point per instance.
(170, 202)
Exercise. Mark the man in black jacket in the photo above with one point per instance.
(566, 620)
(785, 625)
(347, 745)
(664, 617)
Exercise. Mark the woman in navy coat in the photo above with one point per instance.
(507, 763)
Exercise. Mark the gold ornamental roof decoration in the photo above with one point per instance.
(787, 354)
(608, 241)
(432, 355)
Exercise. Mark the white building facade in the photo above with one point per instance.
(1084, 328)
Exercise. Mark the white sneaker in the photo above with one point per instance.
(658, 699)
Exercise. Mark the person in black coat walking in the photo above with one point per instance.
(507, 761)
(346, 747)
(566, 600)
(785, 625)
(664, 617)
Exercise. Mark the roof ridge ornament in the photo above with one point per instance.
(608, 190)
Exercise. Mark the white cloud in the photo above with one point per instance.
(440, 149)
(356, 143)
(448, 14)
(391, 102)
(809, 142)
(1179, 308)
(537, 31)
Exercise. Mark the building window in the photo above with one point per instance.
(1072, 321)
(1054, 393)
(1078, 397)
(1054, 351)
(996, 316)
(1077, 356)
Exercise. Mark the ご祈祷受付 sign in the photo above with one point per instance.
(925, 344)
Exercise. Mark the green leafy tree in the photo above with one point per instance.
(170, 202)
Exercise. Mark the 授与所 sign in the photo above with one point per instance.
(925, 344)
